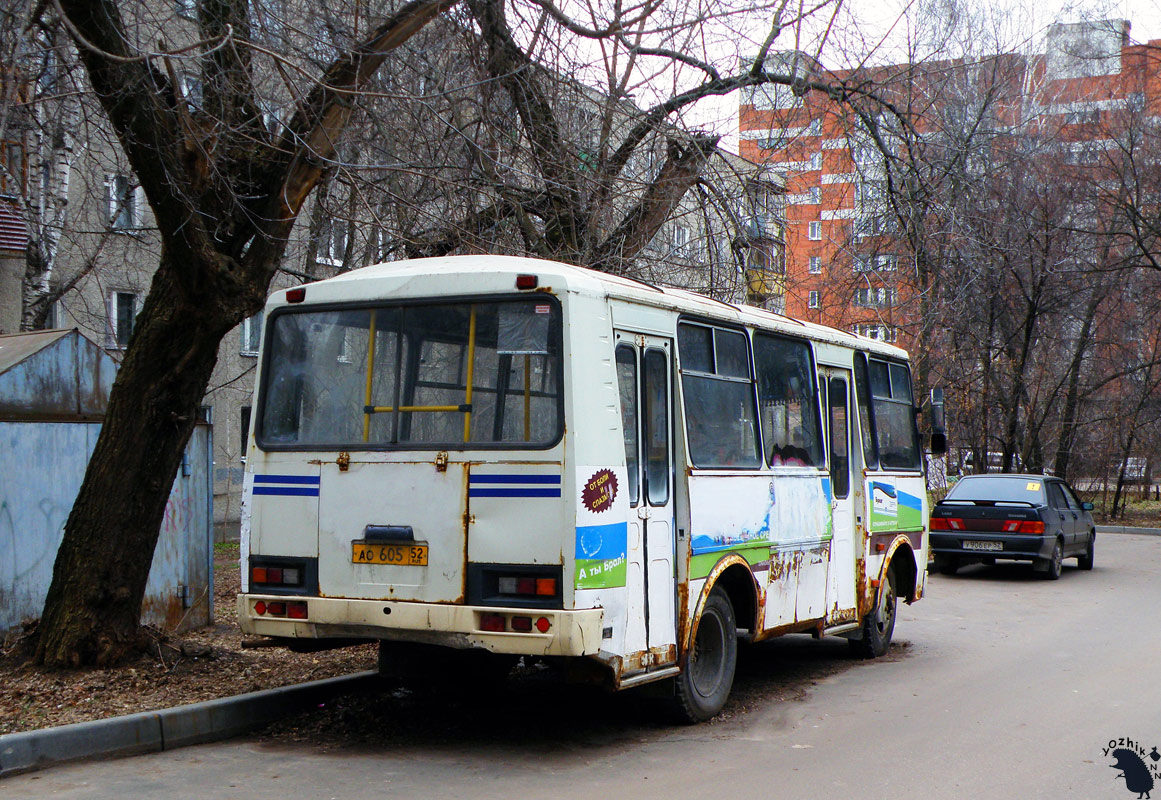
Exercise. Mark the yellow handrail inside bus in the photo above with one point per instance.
(370, 374)
(471, 370)
(409, 409)
(527, 399)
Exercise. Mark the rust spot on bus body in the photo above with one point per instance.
(642, 660)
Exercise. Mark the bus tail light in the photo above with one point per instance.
(282, 576)
(493, 623)
(526, 585)
(522, 624)
(278, 608)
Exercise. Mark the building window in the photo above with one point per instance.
(122, 316)
(680, 239)
(861, 263)
(814, 128)
(244, 414)
(812, 299)
(878, 297)
(814, 231)
(251, 334)
(1086, 117)
(187, 8)
(191, 89)
(883, 333)
(815, 161)
(814, 265)
(125, 200)
(815, 195)
(332, 243)
(886, 262)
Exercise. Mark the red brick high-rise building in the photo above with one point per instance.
(847, 261)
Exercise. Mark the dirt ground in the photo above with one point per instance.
(186, 668)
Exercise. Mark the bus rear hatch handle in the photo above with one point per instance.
(388, 533)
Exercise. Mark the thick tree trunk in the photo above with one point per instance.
(93, 608)
(1070, 416)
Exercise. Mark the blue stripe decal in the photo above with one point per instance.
(308, 479)
(554, 479)
(288, 491)
(514, 492)
(910, 501)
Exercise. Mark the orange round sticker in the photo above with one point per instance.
(600, 491)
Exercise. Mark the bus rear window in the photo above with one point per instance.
(446, 375)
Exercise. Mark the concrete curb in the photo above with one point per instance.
(167, 729)
(1123, 529)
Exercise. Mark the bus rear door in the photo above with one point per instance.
(645, 377)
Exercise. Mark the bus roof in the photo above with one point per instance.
(472, 274)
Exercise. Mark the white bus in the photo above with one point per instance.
(502, 455)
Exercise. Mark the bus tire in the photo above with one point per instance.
(879, 624)
(704, 684)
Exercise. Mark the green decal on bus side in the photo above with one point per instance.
(701, 564)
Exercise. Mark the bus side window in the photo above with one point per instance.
(656, 414)
(866, 424)
(627, 388)
(840, 470)
(720, 414)
(788, 408)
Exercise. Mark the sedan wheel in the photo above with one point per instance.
(1055, 563)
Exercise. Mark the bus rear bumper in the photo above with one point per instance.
(568, 633)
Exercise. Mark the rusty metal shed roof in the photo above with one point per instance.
(58, 374)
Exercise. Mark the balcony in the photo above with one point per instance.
(769, 227)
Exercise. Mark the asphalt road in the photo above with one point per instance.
(1001, 685)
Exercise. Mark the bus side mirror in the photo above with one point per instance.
(938, 426)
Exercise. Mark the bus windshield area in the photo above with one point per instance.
(447, 375)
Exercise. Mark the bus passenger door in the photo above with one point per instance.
(841, 603)
(645, 380)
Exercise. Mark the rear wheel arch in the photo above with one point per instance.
(901, 565)
(734, 577)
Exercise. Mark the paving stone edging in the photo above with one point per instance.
(170, 728)
(1123, 529)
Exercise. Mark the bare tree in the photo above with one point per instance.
(230, 129)
(226, 195)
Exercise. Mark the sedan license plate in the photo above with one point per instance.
(969, 545)
(400, 555)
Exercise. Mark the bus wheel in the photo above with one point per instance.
(946, 565)
(704, 685)
(879, 624)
